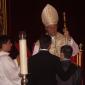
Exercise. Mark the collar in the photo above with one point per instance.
(43, 49)
(53, 37)
(3, 53)
(65, 59)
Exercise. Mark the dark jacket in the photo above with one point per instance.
(70, 74)
(43, 68)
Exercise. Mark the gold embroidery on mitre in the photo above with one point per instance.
(49, 15)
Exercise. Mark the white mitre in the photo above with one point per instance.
(49, 15)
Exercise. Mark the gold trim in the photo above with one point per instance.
(65, 27)
(79, 55)
(3, 21)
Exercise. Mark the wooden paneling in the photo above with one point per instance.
(3, 17)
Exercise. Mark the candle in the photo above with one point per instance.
(23, 54)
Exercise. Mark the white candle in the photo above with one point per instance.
(23, 56)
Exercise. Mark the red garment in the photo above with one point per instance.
(74, 59)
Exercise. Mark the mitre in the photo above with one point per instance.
(49, 15)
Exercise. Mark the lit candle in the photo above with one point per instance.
(23, 53)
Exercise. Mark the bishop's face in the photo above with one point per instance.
(51, 29)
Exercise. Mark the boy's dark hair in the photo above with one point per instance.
(67, 50)
(45, 41)
(4, 39)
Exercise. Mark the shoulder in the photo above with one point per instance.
(55, 57)
(59, 35)
(76, 67)
(4, 58)
(33, 56)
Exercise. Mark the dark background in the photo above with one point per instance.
(26, 15)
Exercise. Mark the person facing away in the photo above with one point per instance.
(43, 66)
(70, 72)
(9, 72)
(50, 20)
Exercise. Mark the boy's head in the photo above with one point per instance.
(67, 51)
(5, 43)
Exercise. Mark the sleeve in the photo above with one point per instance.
(78, 77)
(74, 46)
(11, 71)
(36, 48)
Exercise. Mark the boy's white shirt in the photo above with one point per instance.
(9, 72)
